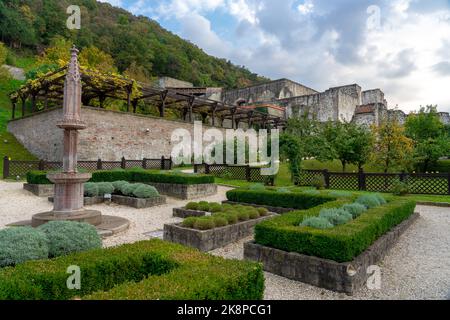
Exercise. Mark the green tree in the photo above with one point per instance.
(347, 142)
(94, 58)
(392, 148)
(3, 53)
(290, 149)
(429, 135)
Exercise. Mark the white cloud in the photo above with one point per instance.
(323, 43)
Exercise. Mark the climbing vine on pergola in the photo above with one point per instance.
(96, 85)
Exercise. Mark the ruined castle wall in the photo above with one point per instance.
(349, 97)
(268, 92)
(334, 104)
(110, 135)
(373, 96)
(445, 117)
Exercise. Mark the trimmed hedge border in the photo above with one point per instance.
(207, 240)
(347, 277)
(132, 175)
(298, 201)
(341, 243)
(146, 270)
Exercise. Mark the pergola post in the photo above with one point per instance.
(162, 106)
(102, 99)
(233, 117)
(213, 122)
(190, 104)
(33, 102)
(128, 98)
(24, 101)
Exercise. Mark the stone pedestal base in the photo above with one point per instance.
(89, 216)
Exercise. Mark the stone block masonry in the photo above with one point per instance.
(109, 135)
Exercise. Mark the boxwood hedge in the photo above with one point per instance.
(144, 270)
(276, 199)
(342, 243)
(37, 177)
(131, 175)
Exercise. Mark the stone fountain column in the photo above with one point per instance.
(68, 198)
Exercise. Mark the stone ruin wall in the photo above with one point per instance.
(335, 104)
(269, 92)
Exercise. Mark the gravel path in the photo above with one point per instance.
(418, 267)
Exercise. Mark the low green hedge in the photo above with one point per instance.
(144, 270)
(277, 199)
(37, 177)
(442, 166)
(342, 243)
(171, 177)
(132, 175)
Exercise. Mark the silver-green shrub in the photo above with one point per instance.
(128, 189)
(90, 189)
(105, 188)
(21, 244)
(66, 237)
(380, 198)
(145, 191)
(355, 209)
(336, 216)
(317, 223)
(369, 200)
(118, 185)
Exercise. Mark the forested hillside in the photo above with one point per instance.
(135, 43)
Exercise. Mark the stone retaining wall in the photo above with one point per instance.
(40, 190)
(184, 191)
(211, 239)
(345, 277)
(137, 202)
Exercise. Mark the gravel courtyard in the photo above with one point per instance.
(418, 267)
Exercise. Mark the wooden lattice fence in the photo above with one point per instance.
(235, 172)
(18, 168)
(418, 183)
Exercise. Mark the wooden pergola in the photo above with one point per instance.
(187, 101)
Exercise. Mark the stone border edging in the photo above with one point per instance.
(137, 202)
(278, 210)
(433, 204)
(186, 213)
(40, 190)
(208, 240)
(326, 273)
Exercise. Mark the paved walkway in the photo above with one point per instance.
(418, 267)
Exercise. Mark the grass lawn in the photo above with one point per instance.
(9, 146)
(284, 180)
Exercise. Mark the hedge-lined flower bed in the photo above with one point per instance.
(132, 175)
(341, 243)
(329, 218)
(278, 199)
(222, 215)
(141, 271)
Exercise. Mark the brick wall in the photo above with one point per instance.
(110, 135)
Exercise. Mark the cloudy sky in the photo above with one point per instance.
(400, 46)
